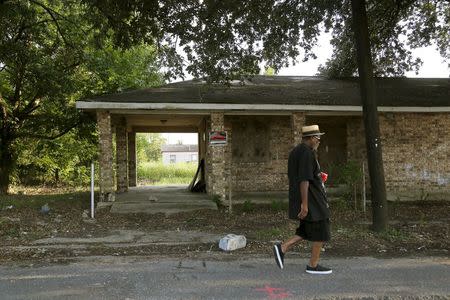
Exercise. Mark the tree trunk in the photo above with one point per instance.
(7, 161)
(370, 115)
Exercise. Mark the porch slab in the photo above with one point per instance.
(161, 199)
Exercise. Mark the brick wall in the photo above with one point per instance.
(267, 169)
(416, 154)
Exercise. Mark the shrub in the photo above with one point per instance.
(351, 176)
(216, 199)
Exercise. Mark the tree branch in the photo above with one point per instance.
(28, 109)
(18, 85)
(3, 108)
(37, 23)
(46, 137)
(51, 12)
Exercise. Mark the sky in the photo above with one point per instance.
(433, 64)
(185, 138)
(433, 67)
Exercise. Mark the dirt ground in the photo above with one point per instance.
(415, 229)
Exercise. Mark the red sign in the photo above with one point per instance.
(218, 137)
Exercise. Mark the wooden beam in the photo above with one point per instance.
(161, 129)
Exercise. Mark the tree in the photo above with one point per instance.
(63, 160)
(148, 146)
(112, 70)
(39, 52)
(50, 56)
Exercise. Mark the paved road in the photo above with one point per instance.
(209, 278)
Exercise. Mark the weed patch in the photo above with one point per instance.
(216, 199)
(248, 206)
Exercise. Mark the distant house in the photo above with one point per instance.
(179, 153)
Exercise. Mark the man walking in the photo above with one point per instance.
(307, 201)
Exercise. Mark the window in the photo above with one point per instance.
(173, 158)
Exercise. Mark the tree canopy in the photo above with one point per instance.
(52, 54)
(225, 39)
(395, 27)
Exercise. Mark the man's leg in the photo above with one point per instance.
(314, 267)
(280, 249)
(315, 253)
(289, 243)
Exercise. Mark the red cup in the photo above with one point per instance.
(324, 176)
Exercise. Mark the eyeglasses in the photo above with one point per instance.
(318, 138)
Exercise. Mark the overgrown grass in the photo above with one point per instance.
(156, 173)
(74, 199)
(393, 234)
(268, 234)
(279, 205)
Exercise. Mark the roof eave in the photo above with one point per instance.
(91, 105)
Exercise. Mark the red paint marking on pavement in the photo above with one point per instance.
(274, 293)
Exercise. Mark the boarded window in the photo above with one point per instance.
(251, 140)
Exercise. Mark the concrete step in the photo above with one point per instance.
(155, 207)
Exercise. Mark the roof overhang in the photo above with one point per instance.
(120, 107)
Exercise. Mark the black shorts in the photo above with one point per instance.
(318, 231)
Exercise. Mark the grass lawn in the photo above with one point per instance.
(156, 173)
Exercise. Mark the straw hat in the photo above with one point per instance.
(311, 130)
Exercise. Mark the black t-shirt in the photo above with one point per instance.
(303, 166)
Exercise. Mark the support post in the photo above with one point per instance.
(132, 175)
(106, 156)
(92, 190)
(298, 120)
(216, 173)
(364, 187)
(122, 156)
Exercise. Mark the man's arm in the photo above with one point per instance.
(304, 186)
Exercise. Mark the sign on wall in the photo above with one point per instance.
(217, 137)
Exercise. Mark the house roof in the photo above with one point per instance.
(179, 148)
(287, 90)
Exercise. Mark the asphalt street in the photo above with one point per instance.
(212, 277)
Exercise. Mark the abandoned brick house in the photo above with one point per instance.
(246, 131)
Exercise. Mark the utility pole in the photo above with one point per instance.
(370, 116)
